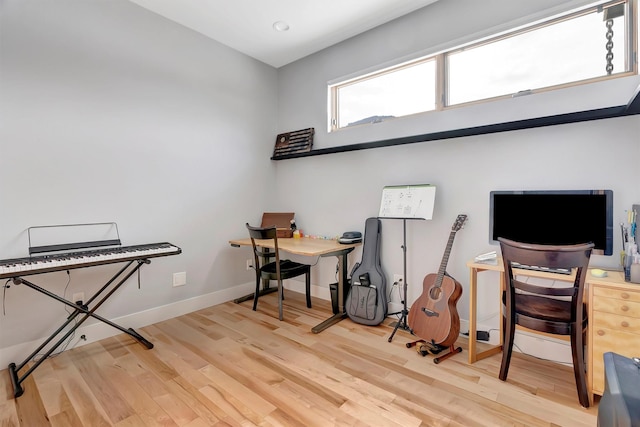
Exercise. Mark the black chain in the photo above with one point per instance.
(609, 46)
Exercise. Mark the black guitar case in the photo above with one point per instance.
(366, 302)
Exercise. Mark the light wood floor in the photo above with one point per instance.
(229, 366)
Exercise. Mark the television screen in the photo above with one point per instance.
(554, 217)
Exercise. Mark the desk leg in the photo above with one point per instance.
(473, 302)
(343, 283)
(474, 355)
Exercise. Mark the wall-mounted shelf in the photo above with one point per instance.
(632, 108)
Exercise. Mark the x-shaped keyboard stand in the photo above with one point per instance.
(83, 310)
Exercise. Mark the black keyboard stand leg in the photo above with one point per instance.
(142, 340)
(16, 379)
(15, 382)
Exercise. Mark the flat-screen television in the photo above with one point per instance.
(554, 217)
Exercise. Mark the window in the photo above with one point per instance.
(570, 50)
(400, 92)
(579, 47)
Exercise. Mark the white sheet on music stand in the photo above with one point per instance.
(408, 201)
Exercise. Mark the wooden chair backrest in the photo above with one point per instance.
(571, 257)
(263, 233)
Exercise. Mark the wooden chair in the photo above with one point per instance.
(275, 270)
(554, 310)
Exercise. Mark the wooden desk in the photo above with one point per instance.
(613, 313)
(474, 269)
(313, 247)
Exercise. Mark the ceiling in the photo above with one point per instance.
(247, 25)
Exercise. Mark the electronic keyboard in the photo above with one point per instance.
(66, 261)
(60, 258)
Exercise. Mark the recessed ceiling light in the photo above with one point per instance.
(280, 26)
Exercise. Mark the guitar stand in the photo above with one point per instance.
(424, 347)
(78, 309)
(402, 322)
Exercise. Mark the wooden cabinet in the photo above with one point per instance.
(614, 323)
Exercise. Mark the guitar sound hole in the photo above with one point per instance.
(435, 293)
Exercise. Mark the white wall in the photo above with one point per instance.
(112, 113)
(337, 192)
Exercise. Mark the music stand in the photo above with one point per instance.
(406, 202)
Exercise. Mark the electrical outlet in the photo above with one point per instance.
(398, 278)
(179, 279)
(78, 296)
(249, 264)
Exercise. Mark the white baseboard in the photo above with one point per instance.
(97, 331)
(528, 343)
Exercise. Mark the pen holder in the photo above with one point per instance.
(626, 266)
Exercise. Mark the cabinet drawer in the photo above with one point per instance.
(622, 294)
(603, 320)
(603, 340)
(617, 306)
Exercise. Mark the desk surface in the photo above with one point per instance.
(614, 278)
(499, 267)
(302, 246)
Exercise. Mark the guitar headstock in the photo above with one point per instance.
(459, 222)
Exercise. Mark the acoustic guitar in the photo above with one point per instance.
(433, 317)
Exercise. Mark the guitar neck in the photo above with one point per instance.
(457, 225)
(445, 257)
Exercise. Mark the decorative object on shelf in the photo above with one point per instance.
(299, 141)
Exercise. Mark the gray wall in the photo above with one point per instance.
(112, 113)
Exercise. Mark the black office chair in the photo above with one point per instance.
(275, 270)
(554, 310)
